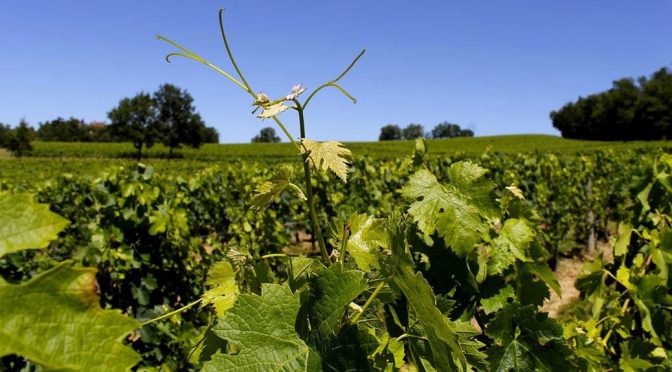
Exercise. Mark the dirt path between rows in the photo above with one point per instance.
(566, 272)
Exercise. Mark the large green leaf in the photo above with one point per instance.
(261, 329)
(368, 234)
(446, 352)
(456, 211)
(55, 320)
(25, 224)
(340, 345)
(330, 295)
(511, 245)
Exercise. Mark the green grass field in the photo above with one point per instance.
(388, 149)
(54, 158)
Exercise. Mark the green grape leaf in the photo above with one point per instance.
(25, 224)
(446, 352)
(531, 290)
(261, 329)
(269, 190)
(455, 211)
(498, 301)
(223, 291)
(512, 244)
(328, 155)
(623, 241)
(545, 274)
(526, 340)
(368, 233)
(331, 293)
(330, 332)
(421, 150)
(54, 320)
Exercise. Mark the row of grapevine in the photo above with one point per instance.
(473, 252)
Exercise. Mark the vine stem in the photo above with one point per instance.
(309, 191)
(368, 302)
(168, 315)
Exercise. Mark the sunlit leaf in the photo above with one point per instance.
(328, 155)
(25, 224)
(54, 320)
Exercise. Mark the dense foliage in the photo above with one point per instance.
(190, 222)
(266, 135)
(393, 132)
(630, 110)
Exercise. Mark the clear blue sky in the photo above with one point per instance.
(497, 67)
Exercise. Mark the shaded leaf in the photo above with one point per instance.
(526, 340)
(446, 352)
(498, 301)
(331, 293)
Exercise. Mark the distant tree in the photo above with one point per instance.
(19, 140)
(210, 135)
(5, 134)
(446, 130)
(413, 131)
(466, 133)
(177, 118)
(390, 132)
(62, 130)
(266, 135)
(135, 120)
(630, 110)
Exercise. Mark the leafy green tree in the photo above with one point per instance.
(266, 135)
(390, 132)
(62, 130)
(466, 133)
(19, 141)
(5, 134)
(135, 120)
(413, 131)
(630, 110)
(177, 118)
(210, 135)
(446, 130)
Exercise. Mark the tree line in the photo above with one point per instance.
(167, 116)
(630, 110)
(393, 132)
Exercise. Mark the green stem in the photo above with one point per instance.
(309, 191)
(344, 242)
(291, 139)
(164, 316)
(332, 83)
(189, 54)
(274, 255)
(368, 302)
(228, 51)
